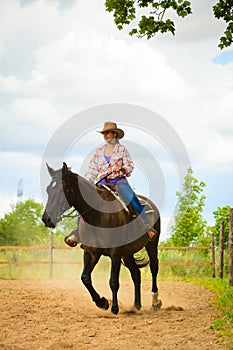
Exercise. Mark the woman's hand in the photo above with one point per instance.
(117, 168)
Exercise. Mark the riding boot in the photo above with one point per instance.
(150, 231)
(73, 238)
(151, 234)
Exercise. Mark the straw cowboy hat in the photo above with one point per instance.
(110, 126)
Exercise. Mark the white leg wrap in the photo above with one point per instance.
(156, 302)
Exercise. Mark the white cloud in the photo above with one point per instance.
(20, 132)
(6, 203)
(219, 151)
(218, 109)
(37, 112)
(92, 68)
(200, 28)
(201, 25)
(23, 27)
(11, 84)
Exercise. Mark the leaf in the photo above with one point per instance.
(133, 31)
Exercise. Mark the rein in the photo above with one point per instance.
(69, 215)
(103, 178)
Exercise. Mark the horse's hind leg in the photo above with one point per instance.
(136, 277)
(152, 251)
(90, 261)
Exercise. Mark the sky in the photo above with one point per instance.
(61, 60)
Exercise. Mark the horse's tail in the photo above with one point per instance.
(141, 258)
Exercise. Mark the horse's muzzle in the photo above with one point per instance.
(47, 221)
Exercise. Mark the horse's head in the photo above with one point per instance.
(57, 203)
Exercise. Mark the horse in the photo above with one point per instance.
(105, 229)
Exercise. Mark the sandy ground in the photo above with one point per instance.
(58, 315)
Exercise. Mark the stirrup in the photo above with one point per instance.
(72, 239)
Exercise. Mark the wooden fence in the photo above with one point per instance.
(51, 248)
(51, 261)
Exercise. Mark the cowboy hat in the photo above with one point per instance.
(110, 126)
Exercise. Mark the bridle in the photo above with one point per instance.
(61, 214)
(70, 215)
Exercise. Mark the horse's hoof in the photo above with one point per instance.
(156, 302)
(156, 306)
(115, 311)
(137, 306)
(103, 303)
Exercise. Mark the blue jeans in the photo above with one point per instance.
(129, 196)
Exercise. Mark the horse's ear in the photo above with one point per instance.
(65, 168)
(50, 170)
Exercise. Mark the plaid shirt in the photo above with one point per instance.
(99, 167)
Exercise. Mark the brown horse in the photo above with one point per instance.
(106, 228)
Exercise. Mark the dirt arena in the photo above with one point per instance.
(58, 315)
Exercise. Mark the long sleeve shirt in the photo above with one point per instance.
(99, 166)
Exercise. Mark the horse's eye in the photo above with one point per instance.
(54, 184)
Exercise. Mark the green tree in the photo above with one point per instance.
(224, 10)
(151, 16)
(221, 214)
(190, 228)
(23, 225)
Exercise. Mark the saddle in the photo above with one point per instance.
(149, 211)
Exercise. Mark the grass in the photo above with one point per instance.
(223, 303)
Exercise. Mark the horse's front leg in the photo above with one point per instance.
(90, 261)
(114, 282)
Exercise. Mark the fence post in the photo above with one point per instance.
(213, 255)
(51, 254)
(230, 243)
(221, 249)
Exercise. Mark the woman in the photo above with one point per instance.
(112, 164)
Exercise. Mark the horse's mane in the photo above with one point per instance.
(105, 194)
(102, 191)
